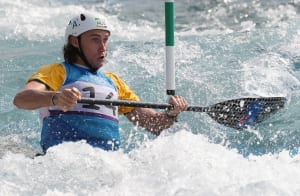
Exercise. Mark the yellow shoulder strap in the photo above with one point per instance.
(52, 75)
(124, 91)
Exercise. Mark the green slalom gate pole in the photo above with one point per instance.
(170, 64)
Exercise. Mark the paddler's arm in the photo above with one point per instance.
(35, 95)
(154, 121)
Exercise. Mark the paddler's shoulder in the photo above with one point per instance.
(55, 65)
(111, 75)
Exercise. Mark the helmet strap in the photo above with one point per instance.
(83, 57)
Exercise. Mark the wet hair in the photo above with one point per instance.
(70, 53)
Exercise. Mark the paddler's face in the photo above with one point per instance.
(94, 46)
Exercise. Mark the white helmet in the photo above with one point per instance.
(82, 23)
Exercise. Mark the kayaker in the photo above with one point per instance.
(54, 89)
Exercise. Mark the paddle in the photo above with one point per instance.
(236, 113)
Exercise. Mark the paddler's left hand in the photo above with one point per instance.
(179, 104)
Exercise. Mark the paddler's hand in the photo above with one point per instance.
(179, 104)
(67, 98)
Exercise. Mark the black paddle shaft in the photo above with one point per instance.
(236, 113)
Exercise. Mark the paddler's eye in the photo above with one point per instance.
(96, 40)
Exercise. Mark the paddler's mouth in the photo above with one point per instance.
(102, 55)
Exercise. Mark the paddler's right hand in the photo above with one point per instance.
(67, 98)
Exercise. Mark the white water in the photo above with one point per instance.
(178, 164)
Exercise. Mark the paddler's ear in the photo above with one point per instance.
(74, 41)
